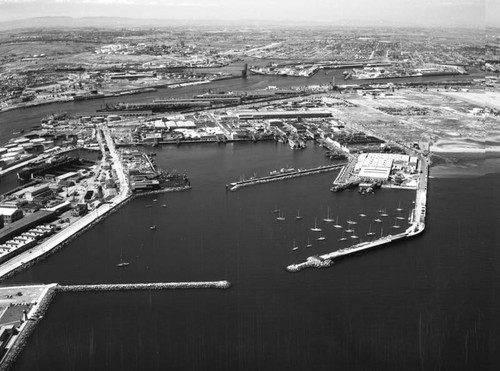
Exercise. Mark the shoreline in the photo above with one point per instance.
(86, 225)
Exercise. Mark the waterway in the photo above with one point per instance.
(421, 304)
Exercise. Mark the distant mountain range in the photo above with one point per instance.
(118, 22)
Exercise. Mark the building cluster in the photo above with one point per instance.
(384, 167)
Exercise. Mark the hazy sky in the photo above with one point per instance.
(425, 12)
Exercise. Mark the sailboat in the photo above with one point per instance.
(281, 217)
(349, 229)
(328, 219)
(309, 244)
(399, 207)
(352, 222)
(396, 226)
(353, 236)
(295, 247)
(298, 217)
(276, 210)
(370, 233)
(337, 225)
(321, 238)
(343, 238)
(315, 228)
(384, 213)
(377, 220)
(122, 263)
(361, 214)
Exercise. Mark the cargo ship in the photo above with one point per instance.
(42, 167)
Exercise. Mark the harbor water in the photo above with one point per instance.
(426, 303)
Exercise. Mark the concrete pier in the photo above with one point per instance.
(285, 175)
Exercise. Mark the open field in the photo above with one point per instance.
(442, 119)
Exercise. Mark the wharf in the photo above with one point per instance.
(417, 220)
(285, 175)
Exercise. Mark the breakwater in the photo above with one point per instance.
(283, 175)
(146, 286)
(326, 260)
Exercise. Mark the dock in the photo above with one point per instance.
(282, 175)
(417, 220)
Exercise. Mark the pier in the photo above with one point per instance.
(417, 220)
(145, 286)
(283, 175)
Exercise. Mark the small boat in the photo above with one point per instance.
(276, 210)
(298, 217)
(370, 233)
(163, 205)
(377, 220)
(295, 247)
(321, 238)
(153, 227)
(400, 218)
(315, 228)
(337, 225)
(362, 215)
(281, 217)
(122, 263)
(309, 244)
(155, 200)
(352, 222)
(328, 219)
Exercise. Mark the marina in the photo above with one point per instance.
(417, 226)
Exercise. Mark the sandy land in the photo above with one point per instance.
(490, 98)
